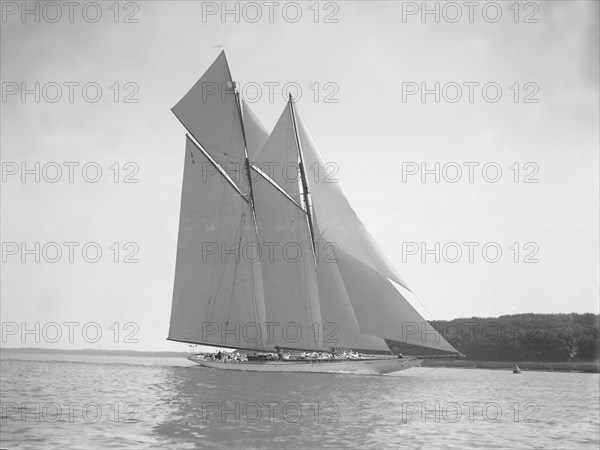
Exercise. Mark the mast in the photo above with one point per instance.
(305, 190)
(247, 159)
(247, 162)
(239, 109)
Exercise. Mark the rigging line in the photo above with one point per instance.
(221, 279)
(248, 173)
(246, 153)
(250, 310)
(304, 303)
(218, 240)
(235, 270)
(239, 178)
(210, 302)
(416, 297)
(302, 275)
(321, 235)
(305, 293)
(254, 298)
(308, 268)
(311, 268)
(231, 133)
(285, 212)
(244, 292)
(426, 309)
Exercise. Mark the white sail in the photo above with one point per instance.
(382, 311)
(336, 219)
(379, 308)
(279, 159)
(340, 326)
(256, 133)
(279, 155)
(288, 269)
(218, 294)
(210, 113)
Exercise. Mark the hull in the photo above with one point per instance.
(378, 366)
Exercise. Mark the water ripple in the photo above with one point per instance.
(126, 402)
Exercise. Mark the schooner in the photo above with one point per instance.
(271, 257)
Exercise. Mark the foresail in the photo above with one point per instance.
(218, 297)
(288, 269)
(210, 113)
(337, 221)
(278, 158)
(382, 311)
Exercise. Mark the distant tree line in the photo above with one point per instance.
(525, 337)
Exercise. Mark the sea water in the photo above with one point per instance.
(73, 401)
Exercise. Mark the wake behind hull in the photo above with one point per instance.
(353, 366)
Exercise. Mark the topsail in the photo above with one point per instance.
(210, 112)
(267, 255)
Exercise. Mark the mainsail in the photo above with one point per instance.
(289, 272)
(218, 296)
(269, 257)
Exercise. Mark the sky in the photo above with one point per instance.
(361, 68)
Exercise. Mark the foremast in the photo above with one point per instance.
(247, 156)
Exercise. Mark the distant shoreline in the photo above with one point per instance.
(95, 352)
(573, 366)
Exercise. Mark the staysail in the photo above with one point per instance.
(391, 316)
(340, 326)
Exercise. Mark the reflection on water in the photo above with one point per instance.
(130, 402)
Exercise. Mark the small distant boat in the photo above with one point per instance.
(516, 369)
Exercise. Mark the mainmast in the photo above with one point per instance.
(305, 190)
